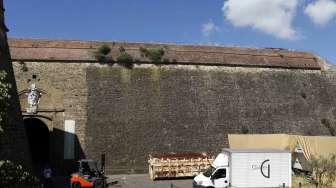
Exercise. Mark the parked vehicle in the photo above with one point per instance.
(88, 174)
(247, 169)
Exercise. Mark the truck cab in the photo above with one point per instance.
(215, 176)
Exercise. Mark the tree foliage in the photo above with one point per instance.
(12, 175)
(324, 170)
(4, 97)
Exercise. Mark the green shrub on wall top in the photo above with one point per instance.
(154, 55)
(125, 59)
(12, 175)
(103, 54)
(104, 49)
(4, 96)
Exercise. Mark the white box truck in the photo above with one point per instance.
(246, 169)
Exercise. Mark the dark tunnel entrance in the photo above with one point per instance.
(39, 143)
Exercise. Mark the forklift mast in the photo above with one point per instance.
(103, 163)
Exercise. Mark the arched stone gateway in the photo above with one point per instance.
(39, 141)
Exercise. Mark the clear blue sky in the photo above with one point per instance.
(249, 23)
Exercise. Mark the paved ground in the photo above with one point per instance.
(143, 181)
(133, 181)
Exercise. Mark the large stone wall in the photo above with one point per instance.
(188, 103)
(13, 143)
(132, 113)
(129, 113)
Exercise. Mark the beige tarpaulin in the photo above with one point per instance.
(310, 145)
(261, 141)
(317, 145)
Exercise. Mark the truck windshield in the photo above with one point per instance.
(209, 171)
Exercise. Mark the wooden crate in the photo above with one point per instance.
(178, 165)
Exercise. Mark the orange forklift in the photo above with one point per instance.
(88, 174)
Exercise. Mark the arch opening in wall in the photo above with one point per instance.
(39, 141)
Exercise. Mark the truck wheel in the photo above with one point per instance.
(75, 185)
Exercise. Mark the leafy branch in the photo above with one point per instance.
(12, 175)
(4, 96)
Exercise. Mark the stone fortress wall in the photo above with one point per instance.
(188, 102)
